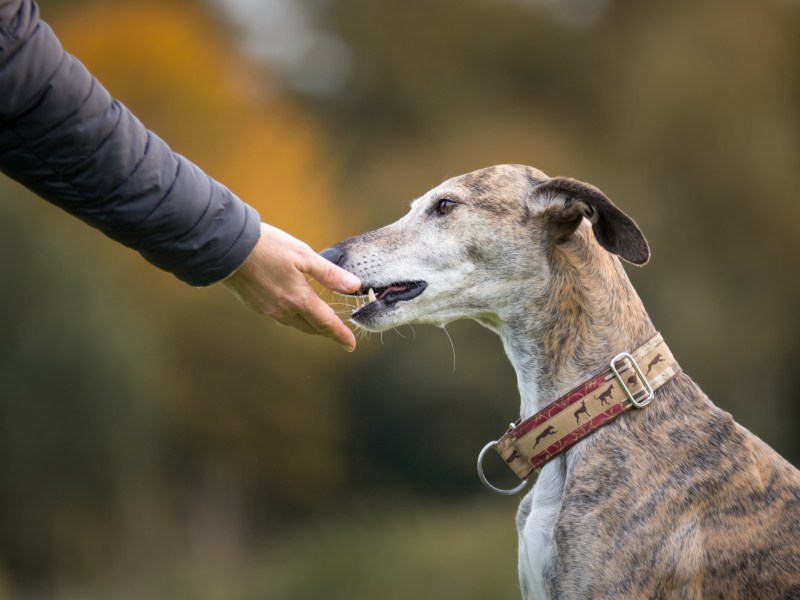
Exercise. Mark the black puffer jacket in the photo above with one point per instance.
(64, 137)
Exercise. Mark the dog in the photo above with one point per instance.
(545, 433)
(607, 394)
(672, 500)
(657, 359)
(581, 411)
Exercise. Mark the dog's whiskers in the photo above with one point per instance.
(362, 333)
(452, 346)
(343, 304)
(405, 337)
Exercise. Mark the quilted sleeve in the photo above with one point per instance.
(64, 137)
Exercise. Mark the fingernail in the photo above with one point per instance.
(347, 348)
(351, 281)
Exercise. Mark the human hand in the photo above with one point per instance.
(272, 281)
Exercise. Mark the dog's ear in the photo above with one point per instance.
(569, 201)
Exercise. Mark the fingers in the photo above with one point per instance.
(328, 274)
(315, 311)
(272, 281)
(315, 316)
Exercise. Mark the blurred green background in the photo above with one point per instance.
(158, 441)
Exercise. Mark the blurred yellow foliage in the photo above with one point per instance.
(172, 65)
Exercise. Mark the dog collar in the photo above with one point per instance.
(530, 444)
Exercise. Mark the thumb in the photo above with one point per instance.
(332, 277)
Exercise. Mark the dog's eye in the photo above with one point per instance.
(445, 206)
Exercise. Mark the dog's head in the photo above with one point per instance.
(471, 246)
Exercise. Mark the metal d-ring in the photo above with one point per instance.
(485, 482)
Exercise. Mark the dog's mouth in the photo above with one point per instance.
(372, 299)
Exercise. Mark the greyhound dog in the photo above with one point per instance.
(670, 500)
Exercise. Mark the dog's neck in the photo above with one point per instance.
(589, 313)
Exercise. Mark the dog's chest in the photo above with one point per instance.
(536, 522)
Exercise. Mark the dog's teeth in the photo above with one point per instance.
(371, 296)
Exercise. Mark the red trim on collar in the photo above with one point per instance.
(624, 385)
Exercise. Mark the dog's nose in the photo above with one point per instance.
(333, 254)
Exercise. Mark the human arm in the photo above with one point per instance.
(64, 137)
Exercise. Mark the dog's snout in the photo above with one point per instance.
(333, 254)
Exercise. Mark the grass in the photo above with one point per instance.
(433, 552)
(417, 552)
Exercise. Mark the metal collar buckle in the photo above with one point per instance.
(647, 387)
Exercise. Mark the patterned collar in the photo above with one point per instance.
(530, 444)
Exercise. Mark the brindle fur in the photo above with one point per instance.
(672, 501)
